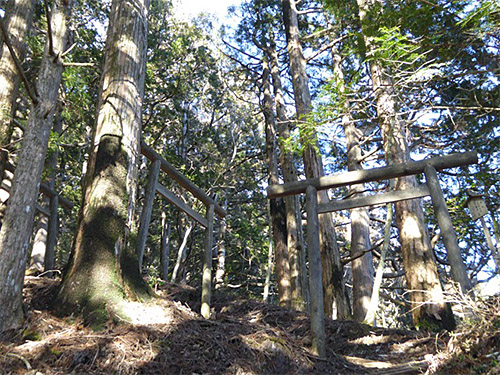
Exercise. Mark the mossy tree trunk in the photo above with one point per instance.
(333, 278)
(103, 270)
(18, 222)
(429, 308)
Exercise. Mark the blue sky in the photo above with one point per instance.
(191, 8)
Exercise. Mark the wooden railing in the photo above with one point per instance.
(311, 187)
(153, 187)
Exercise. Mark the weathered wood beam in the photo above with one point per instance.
(362, 176)
(448, 234)
(147, 210)
(206, 286)
(172, 198)
(43, 210)
(46, 190)
(372, 200)
(180, 178)
(315, 278)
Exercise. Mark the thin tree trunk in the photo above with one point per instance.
(362, 267)
(103, 268)
(165, 245)
(333, 278)
(371, 313)
(296, 249)
(18, 222)
(428, 305)
(37, 259)
(181, 257)
(16, 22)
(221, 249)
(42, 253)
(270, 261)
(278, 215)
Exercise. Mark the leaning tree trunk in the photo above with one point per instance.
(18, 222)
(277, 206)
(103, 269)
(362, 266)
(296, 251)
(16, 22)
(428, 305)
(332, 270)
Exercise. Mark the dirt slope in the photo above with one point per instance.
(244, 337)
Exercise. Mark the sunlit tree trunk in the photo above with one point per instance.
(362, 266)
(221, 249)
(428, 306)
(18, 222)
(16, 22)
(332, 270)
(277, 206)
(103, 268)
(295, 246)
(180, 264)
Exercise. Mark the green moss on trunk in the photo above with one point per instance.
(103, 270)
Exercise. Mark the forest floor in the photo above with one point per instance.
(243, 337)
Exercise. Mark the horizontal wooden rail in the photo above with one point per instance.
(371, 200)
(180, 178)
(46, 190)
(383, 173)
(172, 198)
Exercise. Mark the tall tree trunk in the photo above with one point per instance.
(18, 221)
(428, 305)
(16, 22)
(362, 267)
(278, 215)
(103, 267)
(296, 250)
(333, 278)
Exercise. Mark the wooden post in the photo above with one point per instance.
(146, 211)
(53, 228)
(165, 246)
(206, 287)
(458, 270)
(489, 241)
(315, 280)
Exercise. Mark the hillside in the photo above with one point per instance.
(244, 337)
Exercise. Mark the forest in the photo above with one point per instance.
(305, 186)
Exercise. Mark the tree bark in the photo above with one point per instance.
(18, 221)
(16, 22)
(296, 250)
(278, 215)
(103, 268)
(333, 278)
(362, 267)
(221, 249)
(428, 306)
